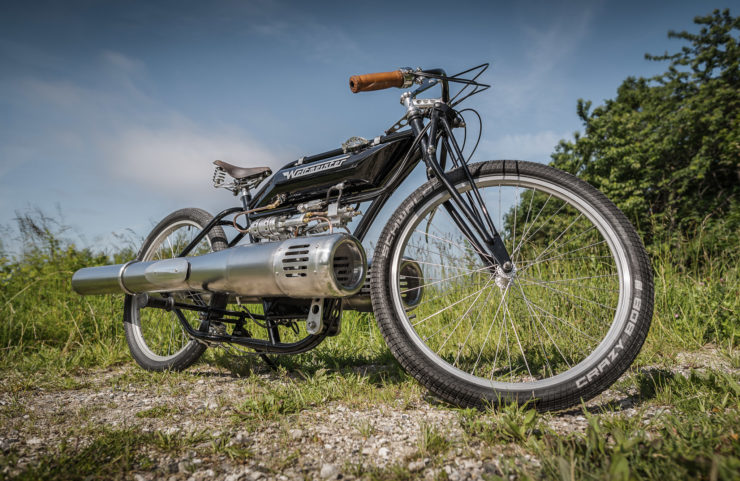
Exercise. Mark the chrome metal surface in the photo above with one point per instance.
(412, 280)
(306, 267)
(303, 224)
(425, 103)
(408, 77)
(315, 320)
(97, 280)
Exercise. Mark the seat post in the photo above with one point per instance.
(245, 196)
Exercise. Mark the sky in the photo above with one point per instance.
(111, 113)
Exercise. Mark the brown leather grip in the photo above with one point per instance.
(375, 81)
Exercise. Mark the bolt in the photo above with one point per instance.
(508, 266)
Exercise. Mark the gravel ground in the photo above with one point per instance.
(323, 442)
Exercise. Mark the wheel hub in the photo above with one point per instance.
(504, 277)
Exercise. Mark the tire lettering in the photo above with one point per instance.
(607, 361)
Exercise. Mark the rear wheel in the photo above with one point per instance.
(560, 328)
(155, 337)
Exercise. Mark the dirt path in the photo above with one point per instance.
(200, 432)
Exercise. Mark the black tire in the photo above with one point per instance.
(155, 337)
(577, 258)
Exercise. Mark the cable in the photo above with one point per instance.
(480, 132)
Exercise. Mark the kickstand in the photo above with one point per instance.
(270, 363)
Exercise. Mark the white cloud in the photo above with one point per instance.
(176, 159)
(535, 147)
(114, 128)
(537, 82)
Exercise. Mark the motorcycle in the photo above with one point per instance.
(497, 281)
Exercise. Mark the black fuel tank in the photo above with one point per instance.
(361, 171)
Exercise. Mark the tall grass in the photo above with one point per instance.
(45, 326)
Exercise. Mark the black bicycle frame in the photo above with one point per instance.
(467, 210)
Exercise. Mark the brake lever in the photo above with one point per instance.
(426, 84)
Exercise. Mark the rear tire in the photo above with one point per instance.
(568, 322)
(155, 337)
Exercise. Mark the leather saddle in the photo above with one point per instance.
(244, 173)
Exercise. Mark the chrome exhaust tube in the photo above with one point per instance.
(332, 265)
(411, 283)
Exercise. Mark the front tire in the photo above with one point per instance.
(155, 337)
(560, 330)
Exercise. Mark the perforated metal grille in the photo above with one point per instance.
(295, 261)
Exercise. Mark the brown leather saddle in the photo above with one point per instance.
(244, 173)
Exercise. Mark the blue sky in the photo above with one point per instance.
(112, 112)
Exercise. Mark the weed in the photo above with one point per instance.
(508, 423)
(432, 441)
(111, 455)
(366, 428)
(161, 411)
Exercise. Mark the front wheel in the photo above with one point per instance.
(155, 337)
(560, 328)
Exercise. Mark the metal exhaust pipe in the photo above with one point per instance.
(307, 267)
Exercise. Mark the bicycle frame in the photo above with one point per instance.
(453, 308)
(466, 210)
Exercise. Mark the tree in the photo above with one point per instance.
(666, 150)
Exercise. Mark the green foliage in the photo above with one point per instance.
(111, 455)
(432, 441)
(666, 150)
(44, 321)
(511, 423)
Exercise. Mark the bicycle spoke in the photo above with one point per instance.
(493, 321)
(440, 280)
(464, 316)
(530, 308)
(470, 331)
(446, 308)
(572, 295)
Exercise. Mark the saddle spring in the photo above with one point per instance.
(219, 176)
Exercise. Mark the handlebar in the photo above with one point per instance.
(376, 81)
(401, 78)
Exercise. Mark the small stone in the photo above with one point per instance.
(184, 466)
(328, 471)
(384, 452)
(34, 442)
(415, 466)
(138, 477)
(490, 468)
(296, 433)
(234, 477)
(255, 475)
(367, 451)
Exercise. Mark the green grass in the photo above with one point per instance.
(50, 337)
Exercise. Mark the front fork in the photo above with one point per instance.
(468, 211)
